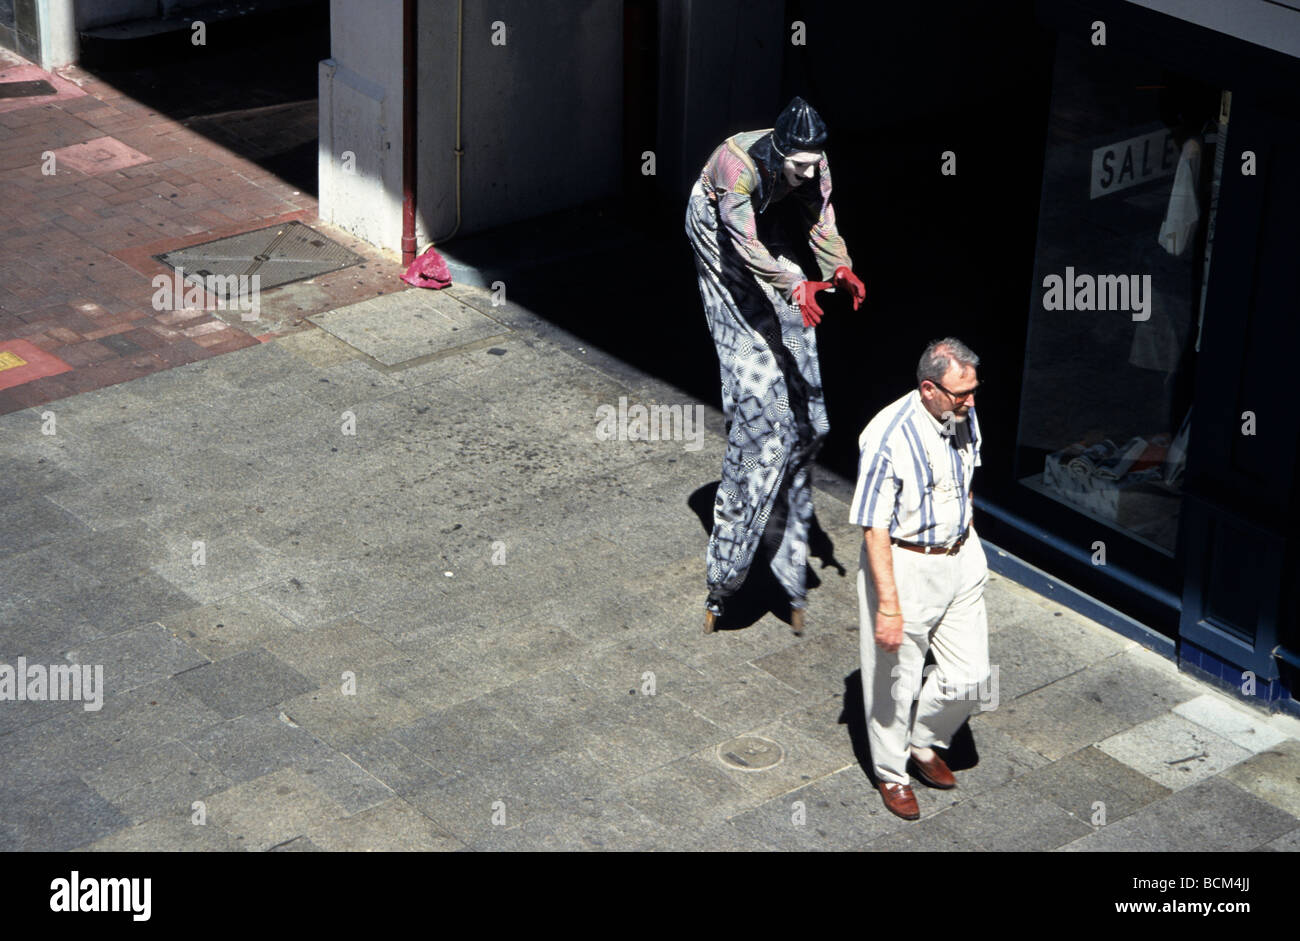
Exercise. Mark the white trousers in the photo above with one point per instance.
(942, 601)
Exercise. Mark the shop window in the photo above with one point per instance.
(1130, 189)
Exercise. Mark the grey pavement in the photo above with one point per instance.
(380, 585)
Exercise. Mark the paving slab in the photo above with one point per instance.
(1015, 817)
(392, 827)
(933, 835)
(818, 664)
(210, 569)
(465, 738)
(270, 810)
(712, 838)
(175, 778)
(1288, 843)
(433, 682)
(1101, 700)
(591, 824)
(53, 750)
(36, 520)
(1272, 775)
(232, 625)
(57, 816)
(172, 833)
(630, 743)
(318, 348)
(324, 653)
(509, 792)
(393, 764)
(254, 745)
(998, 759)
(1213, 815)
(692, 791)
(1242, 727)
(826, 816)
(1173, 751)
(736, 699)
(1090, 784)
(408, 324)
(299, 844)
(244, 683)
(141, 718)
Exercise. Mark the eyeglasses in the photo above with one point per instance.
(958, 396)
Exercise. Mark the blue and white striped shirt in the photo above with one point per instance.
(912, 477)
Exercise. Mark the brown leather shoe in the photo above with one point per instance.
(934, 772)
(899, 800)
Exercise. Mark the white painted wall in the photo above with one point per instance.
(58, 25)
(541, 116)
(361, 113)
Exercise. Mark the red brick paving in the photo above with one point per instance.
(76, 264)
(22, 361)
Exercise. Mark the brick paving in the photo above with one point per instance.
(76, 263)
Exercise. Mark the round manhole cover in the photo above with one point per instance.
(750, 753)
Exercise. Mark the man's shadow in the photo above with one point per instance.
(961, 756)
(761, 593)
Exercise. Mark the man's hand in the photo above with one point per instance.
(889, 631)
(805, 295)
(846, 279)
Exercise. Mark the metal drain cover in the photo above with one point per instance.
(750, 753)
(278, 254)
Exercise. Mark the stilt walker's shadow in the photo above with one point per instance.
(761, 593)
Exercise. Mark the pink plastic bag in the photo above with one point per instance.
(428, 271)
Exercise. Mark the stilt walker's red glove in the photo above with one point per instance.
(805, 295)
(844, 278)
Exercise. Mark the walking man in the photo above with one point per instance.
(921, 573)
(749, 241)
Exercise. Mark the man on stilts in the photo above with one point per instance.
(749, 239)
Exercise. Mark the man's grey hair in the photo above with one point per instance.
(940, 355)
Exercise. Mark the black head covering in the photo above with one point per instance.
(798, 128)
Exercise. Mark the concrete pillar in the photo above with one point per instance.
(541, 118)
(58, 33)
(360, 155)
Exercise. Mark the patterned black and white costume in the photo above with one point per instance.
(749, 242)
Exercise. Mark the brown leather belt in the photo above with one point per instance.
(933, 550)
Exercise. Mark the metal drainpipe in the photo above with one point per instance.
(408, 131)
(409, 115)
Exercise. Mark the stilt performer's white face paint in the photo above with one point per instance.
(801, 167)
